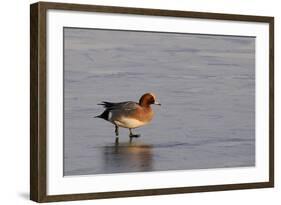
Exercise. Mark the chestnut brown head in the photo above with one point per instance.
(148, 99)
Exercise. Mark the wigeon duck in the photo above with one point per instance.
(129, 114)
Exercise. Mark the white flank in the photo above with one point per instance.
(109, 116)
(129, 123)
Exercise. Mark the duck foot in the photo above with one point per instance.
(135, 136)
(131, 135)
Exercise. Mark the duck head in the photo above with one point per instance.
(148, 99)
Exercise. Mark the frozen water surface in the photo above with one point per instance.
(206, 85)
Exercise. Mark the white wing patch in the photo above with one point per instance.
(129, 122)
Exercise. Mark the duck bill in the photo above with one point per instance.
(157, 103)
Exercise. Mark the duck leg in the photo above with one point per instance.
(117, 134)
(131, 135)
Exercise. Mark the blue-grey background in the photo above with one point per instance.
(206, 85)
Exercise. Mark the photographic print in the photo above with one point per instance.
(129, 102)
(114, 80)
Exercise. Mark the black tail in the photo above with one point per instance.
(107, 104)
(104, 115)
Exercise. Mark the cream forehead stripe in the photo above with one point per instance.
(153, 95)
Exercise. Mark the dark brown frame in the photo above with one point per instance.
(38, 101)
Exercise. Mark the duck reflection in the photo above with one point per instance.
(128, 157)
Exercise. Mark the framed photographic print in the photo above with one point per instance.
(98, 77)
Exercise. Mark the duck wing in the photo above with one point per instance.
(121, 106)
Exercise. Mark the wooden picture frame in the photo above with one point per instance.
(38, 100)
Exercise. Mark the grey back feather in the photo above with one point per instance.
(122, 106)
